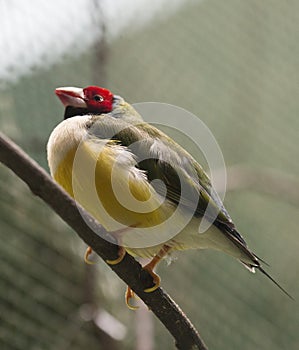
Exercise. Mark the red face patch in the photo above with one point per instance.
(98, 99)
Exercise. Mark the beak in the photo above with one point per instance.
(71, 96)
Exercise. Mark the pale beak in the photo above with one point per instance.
(71, 96)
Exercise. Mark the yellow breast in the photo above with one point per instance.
(104, 180)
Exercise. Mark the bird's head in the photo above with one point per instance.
(92, 99)
(95, 100)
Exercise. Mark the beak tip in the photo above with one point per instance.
(71, 96)
(58, 91)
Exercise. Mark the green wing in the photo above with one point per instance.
(163, 159)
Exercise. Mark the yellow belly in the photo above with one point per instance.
(108, 189)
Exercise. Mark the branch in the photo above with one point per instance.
(129, 270)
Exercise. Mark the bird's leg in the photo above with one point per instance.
(152, 264)
(121, 251)
(150, 269)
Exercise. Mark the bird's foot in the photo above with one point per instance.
(152, 264)
(88, 252)
(156, 279)
(121, 255)
(128, 296)
(150, 269)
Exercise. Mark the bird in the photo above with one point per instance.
(145, 189)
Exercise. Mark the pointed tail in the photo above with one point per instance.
(273, 280)
(254, 260)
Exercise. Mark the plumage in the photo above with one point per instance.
(104, 148)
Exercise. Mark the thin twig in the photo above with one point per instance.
(129, 270)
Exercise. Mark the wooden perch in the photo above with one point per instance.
(129, 270)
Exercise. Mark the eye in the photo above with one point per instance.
(98, 98)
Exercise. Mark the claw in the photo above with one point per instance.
(130, 295)
(152, 264)
(121, 255)
(88, 252)
(156, 279)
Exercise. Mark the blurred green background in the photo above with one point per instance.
(235, 65)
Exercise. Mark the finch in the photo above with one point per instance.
(143, 187)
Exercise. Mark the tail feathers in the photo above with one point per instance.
(252, 268)
(273, 280)
(249, 267)
(252, 260)
(259, 259)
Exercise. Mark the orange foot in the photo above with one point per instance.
(156, 280)
(117, 234)
(152, 264)
(121, 255)
(150, 269)
(128, 296)
(88, 252)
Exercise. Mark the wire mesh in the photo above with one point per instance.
(235, 65)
